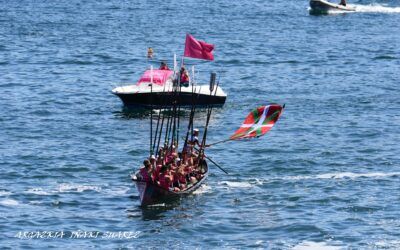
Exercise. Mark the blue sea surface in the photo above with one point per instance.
(326, 176)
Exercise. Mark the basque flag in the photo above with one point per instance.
(259, 122)
(198, 49)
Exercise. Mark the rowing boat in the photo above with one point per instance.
(151, 193)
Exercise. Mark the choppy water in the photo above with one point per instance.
(327, 176)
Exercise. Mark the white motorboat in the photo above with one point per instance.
(325, 7)
(156, 88)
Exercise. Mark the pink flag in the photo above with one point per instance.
(198, 49)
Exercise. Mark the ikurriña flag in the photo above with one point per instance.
(258, 122)
(198, 49)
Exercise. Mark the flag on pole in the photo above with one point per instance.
(258, 122)
(198, 49)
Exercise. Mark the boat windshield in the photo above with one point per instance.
(156, 75)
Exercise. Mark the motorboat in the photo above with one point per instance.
(325, 7)
(157, 89)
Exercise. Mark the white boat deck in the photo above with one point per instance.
(146, 88)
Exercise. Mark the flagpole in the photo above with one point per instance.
(151, 109)
(218, 142)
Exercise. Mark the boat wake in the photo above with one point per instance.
(37, 191)
(376, 8)
(234, 184)
(203, 189)
(371, 8)
(344, 175)
(66, 187)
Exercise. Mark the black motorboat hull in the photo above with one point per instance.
(165, 99)
(325, 7)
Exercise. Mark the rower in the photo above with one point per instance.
(342, 2)
(145, 171)
(153, 161)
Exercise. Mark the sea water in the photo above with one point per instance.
(325, 177)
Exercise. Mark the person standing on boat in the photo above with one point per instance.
(195, 138)
(184, 77)
(190, 145)
(163, 66)
(342, 2)
(150, 53)
(191, 142)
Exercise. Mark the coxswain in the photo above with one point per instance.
(195, 138)
(194, 141)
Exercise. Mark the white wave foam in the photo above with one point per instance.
(65, 187)
(37, 191)
(259, 182)
(5, 193)
(391, 244)
(9, 202)
(234, 184)
(203, 189)
(118, 191)
(376, 8)
(35, 202)
(306, 245)
(158, 205)
(342, 175)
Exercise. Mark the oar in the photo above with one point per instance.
(216, 164)
(208, 158)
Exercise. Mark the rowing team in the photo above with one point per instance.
(171, 172)
(176, 175)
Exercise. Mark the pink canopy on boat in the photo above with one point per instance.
(159, 76)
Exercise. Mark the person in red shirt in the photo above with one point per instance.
(181, 177)
(163, 66)
(164, 178)
(146, 171)
(184, 77)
